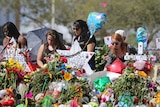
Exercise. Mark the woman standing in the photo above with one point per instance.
(82, 35)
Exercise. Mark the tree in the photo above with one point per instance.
(123, 14)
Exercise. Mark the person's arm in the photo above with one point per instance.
(39, 56)
(5, 41)
(110, 59)
(90, 47)
(22, 41)
(91, 44)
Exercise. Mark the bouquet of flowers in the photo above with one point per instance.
(11, 73)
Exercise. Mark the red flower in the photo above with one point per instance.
(144, 101)
(62, 72)
(15, 69)
(136, 100)
(44, 71)
(10, 102)
(63, 59)
(79, 73)
(78, 89)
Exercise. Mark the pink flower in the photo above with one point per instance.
(29, 95)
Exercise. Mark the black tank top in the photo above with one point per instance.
(47, 52)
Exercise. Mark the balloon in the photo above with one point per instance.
(143, 65)
(104, 4)
(142, 36)
(117, 66)
(125, 100)
(139, 65)
(96, 21)
(100, 83)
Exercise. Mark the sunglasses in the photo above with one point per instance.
(114, 43)
(75, 28)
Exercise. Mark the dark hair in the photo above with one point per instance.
(84, 28)
(81, 24)
(12, 30)
(57, 43)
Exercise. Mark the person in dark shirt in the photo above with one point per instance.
(82, 35)
(53, 42)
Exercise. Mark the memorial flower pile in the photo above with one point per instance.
(57, 83)
(135, 86)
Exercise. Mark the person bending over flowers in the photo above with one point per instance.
(52, 43)
(118, 50)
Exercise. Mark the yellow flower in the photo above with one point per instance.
(80, 95)
(131, 75)
(157, 99)
(56, 105)
(67, 76)
(50, 75)
(11, 62)
(45, 66)
(19, 66)
(142, 73)
(69, 67)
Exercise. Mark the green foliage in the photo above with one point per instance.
(7, 78)
(100, 63)
(122, 14)
(132, 40)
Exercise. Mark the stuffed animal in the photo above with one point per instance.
(6, 98)
(108, 95)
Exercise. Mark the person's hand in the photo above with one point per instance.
(104, 57)
(105, 68)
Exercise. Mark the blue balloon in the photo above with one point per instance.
(96, 21)
(142, 36)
